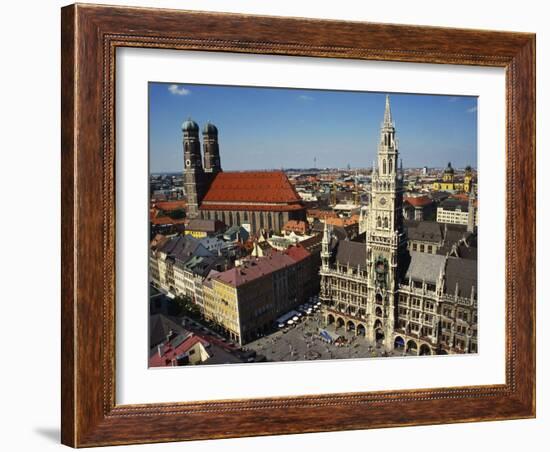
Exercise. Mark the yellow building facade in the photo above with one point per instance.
(221, 306)
(196, 234)
(449, 182)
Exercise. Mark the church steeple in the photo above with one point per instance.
(211, 148)
(325, 245)
(193, 172)
(387, 113)
(387, 149)
(385, 239)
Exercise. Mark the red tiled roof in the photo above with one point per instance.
(169, 353)
(342, 221)
(254, 268)
(418, 201)
(296, 226)
(297, 252)
(171, 205)
(251, 186)
(167, 220)
(317, 213)
(460, 196)
(252, 207)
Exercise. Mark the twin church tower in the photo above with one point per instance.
(256, 200)
(198, 177)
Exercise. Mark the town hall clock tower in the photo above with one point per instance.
(385, 240)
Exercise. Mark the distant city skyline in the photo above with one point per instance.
(273, 128)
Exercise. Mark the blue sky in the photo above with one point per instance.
(267, 128)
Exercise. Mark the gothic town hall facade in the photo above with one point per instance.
(410, 301)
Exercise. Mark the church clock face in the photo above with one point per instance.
(382, 201)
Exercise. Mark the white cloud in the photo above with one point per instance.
(471, 109)
(305, 97)
(179, 90)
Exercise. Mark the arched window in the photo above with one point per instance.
(386, 222)
(261, 220)
(390, 166)
(379, 222)
(269, 221)
(238, 218)
(384, 166)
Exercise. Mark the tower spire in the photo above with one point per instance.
(387, 113)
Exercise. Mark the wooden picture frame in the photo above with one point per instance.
(90, 36)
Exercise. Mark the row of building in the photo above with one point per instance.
(241, 295)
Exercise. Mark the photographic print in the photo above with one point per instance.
(301, 225)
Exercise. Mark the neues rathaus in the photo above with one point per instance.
(421, 303)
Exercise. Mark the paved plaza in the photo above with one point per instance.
(302, 341)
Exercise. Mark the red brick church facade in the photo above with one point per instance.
(262, 199)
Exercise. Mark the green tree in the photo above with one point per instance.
(186, 306)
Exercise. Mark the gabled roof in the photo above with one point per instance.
(313, 244)
(160, 327)
(454, 204)
(214, 243)
(202, 266)
(322, 214)
(297, 252)
(267, 207)
(352, 253)
(425, 267)
(171, 205)
(158, 241)
(343, 222)
(254, 268)
(176, 347)
(461, 273)
(296, 225)
(182, 248)
(236, 231)
(424, 230)
(251, 186)
(418, 201)
(166, 220)
(197, 224)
